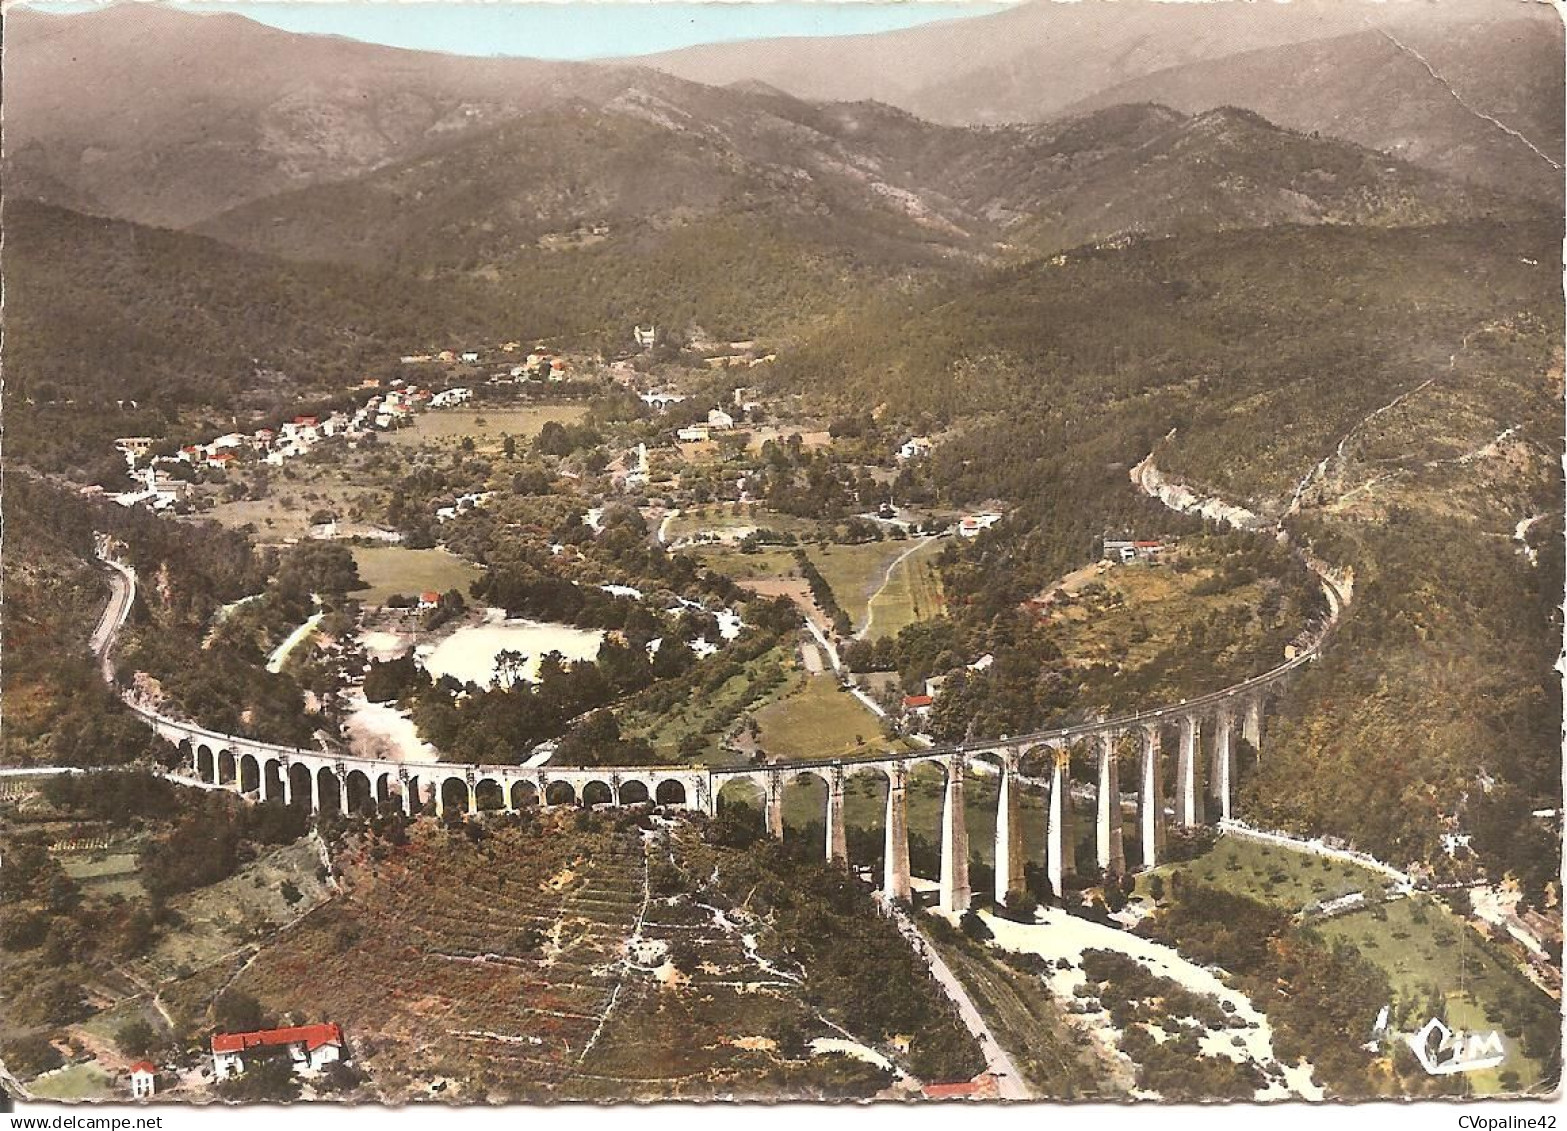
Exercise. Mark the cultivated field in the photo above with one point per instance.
(1427, 950)
(536, 960)
(285, 513)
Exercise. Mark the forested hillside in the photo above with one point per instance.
(114, 329)
(1425, 362)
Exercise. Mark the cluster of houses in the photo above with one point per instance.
(290, 440)
(540, 363)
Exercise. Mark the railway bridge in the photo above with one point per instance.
(1200, 735)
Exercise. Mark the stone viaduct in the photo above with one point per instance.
(1205, 774)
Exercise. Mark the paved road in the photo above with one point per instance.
(122, 582)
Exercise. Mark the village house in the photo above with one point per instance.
(222, 461)
(648, 338)
(917, 705)
(134, 447)
(972, 524)
(310, 1048)
(1127, 550)
(470, 356)
(694, 434)
(428, 600)
(451, 397)
(915, 447)
(719, 420)
(144, 1080)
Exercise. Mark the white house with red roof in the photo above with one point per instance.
(144, 1080)
(310, 1047)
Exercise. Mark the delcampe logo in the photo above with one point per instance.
(1442, 1051)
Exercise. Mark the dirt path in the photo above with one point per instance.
(886, 579)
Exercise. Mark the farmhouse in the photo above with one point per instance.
(914, 448)
(429, 600)
(310, 1047)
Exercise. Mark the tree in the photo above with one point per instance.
(236, 1012)
(974, 927)
(29, 1056)
(266, 1079)
(136, 1038)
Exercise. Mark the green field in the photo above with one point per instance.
(1280, 876)
(855, 573)
(1417, 940)
(711, 715)
(103, 875)
(763, 565)
(912, 593)
(393, 569)
(1422, 945)
(819, 719)
(723, 517)
(249, 906)
(488, 427)
(76, 1082)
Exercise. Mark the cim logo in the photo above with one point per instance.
(1442, 1052)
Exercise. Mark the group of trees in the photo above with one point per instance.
(821, 592)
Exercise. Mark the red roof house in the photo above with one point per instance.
(309, 1046)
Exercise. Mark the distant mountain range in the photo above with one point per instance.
(172, 118)
(1419, 79)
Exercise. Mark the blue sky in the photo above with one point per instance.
(580, 30)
